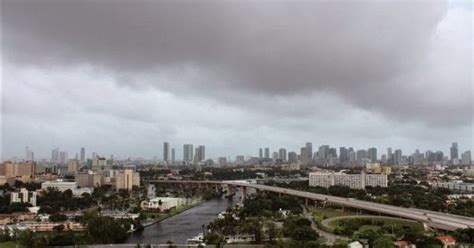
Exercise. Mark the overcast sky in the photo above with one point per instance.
(121, 77)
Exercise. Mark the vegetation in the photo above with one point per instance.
(404, 195)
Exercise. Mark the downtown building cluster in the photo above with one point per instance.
(330, 156)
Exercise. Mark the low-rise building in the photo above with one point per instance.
(455, 186)
(162, 203)
(355, 181)
(24, 196)
(447, 241)
(63, 186)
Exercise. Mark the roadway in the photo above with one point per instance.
(433, 219)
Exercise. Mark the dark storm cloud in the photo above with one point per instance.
(372, 55)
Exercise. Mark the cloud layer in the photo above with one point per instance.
(245, 69)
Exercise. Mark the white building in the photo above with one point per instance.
(63, 186)
(162, 203)
(354, 181)
(24, 196)
(456, 186)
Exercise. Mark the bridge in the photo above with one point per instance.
(438, 220)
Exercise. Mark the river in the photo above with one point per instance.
(183, 226)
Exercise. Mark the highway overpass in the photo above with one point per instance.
(433, 219)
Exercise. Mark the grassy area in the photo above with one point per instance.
(157, 217)
(325, 213)
(386, 222)
(10, 244)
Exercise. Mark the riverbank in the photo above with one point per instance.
(173, 212)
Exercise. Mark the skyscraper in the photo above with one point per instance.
(83, 154)
(343, 154)
(173, 155)
(372, 152)
(454, 151)
(260, 153)
(55, 155)
(397, 157)
(466, 158)
(63, 157)
(166, 151)
(389, 155)
(200, 153)
(188, 153)
(267, 153)
(282, 154)
(292, 157)
(309, 151)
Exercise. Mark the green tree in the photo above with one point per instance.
(383, 242)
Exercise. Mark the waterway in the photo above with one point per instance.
(183, 226)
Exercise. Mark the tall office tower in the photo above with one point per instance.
(267, 153)
(282, 154)
(352, 156)
(63, 157)
(332, 153)
(83, 154)
(324, 152)
(454, 151)
(362, 155)
(29, 154)
(260, 153)
(173, 155)
(303, 155)
(397, 157)
(55, 155)
(389, 155)
(309, 151)
(275, 156)
(439, 156)
(166, 151)
(372, 154)
(292, 157)
(343, 154)
(200, 153)
(466, 158)
(188, 153)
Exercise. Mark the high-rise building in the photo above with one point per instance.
(63, 157)
(397, 157)
(324, 152)
(72, 165)
(173, 155)
(260, 153)
(309, 151)
(29, 155)
(292, 157)
(83, 154)
(267, 153)
(304, 155)
(352, 156)
(372, 152)
(166, 151)
(282, 154)
(200, 153)
(343, 154)
(26, 169)
(362, 155)
(466, 158)
(222, 161)
(332, 153)
(389, 155)
(454, 151)
(55, 155)
(188, 153)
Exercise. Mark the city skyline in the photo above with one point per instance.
(303, 73)
(187, 153)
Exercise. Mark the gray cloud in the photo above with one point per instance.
(298, 67)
